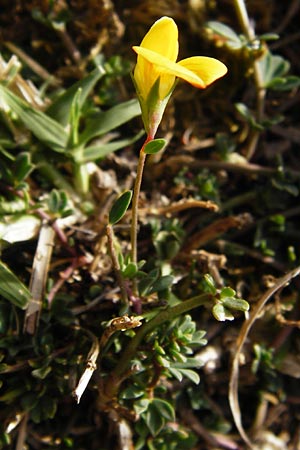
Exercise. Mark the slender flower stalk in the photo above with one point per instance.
(135, 200)
(116, 265)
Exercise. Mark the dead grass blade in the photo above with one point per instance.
(39, 277)
(234, 376)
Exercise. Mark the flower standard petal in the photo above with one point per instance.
(208, 69)
(162, 38)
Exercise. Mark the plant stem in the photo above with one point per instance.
(81, 178)
(116, 265)
(52, 174)
(135, 200)
(249, 32)
(162, 316)
(243, 17)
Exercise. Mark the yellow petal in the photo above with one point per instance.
(162, 38)
(208, 69)
(168, 68)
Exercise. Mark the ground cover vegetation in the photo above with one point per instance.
(149, 288)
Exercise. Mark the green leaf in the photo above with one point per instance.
(12, 394)
(42, 372)
(272, 67)
(154, 146)
(145, 285)
(94, 152)
(162, 283)
(29, 401)
(57, 201)
(43, 127)
(154, 420)
(190, 363)
(221, 313)
(191, 375)
(269, 37)
(284, 84)
(248, 116)
(60, 108)
(141, 406)
(158, 349)
(132, 391)
(12, 289)
(120, 207)
(232, 39)
(186, 325)
(103, 122)
(36, 413)
(236, 304)
(4, 324)
(176, 373)
(130, 270)
(227, 292)
(209, 284)
(292, 189)
(198, 338)
(164, 408)
(164, 362)
(244, 111)
(49, 407)
(22, 166)
(74, 119)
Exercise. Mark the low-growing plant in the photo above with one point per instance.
(110, 313)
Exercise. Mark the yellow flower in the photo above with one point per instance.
(156, 70)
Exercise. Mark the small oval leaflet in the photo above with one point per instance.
(120, 207)
(154, 146)
(237, 304)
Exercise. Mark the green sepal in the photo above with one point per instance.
(152, 107)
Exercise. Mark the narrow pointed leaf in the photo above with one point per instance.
(104, 122)
(74, 119)
(60, 108)
(12, 289)
(94, 152)
(43, 127)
